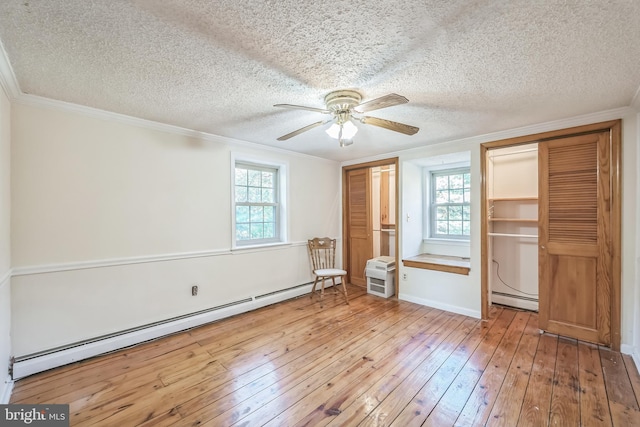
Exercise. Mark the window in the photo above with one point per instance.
(257, 203)
(450, 204)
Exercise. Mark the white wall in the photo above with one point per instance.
(113, 223)
(447, 291)
(5, 243)
(630, 186)
(462, 293)
(411, 210)
(636, 330)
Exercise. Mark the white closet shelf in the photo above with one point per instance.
(532, 236)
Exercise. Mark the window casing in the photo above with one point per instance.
(257, 203)
(450, 208)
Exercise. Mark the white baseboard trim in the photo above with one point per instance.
(5, 391)
(56, 358)
(439, 305)
(634, 352)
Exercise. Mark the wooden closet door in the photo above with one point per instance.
(575, 246)
(359, 224)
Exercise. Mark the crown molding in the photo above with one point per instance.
(96, 113)
(471, 142)
(8, 80)
(635, 101)
(10, 85)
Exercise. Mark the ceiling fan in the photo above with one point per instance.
(343, 106)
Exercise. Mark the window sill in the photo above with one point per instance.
(259, 246)
(445, 263)
(454, 242)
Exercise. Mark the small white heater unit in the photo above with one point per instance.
(380, 274)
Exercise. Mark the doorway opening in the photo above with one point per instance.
(512, 200)
(370, 208)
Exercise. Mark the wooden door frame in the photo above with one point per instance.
(345, 199)
(614, 128)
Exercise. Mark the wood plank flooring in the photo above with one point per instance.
(376, 362)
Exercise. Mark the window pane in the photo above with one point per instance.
(269, 230)
(452, 196)
(255, 178)
(267, 195)
(455, 213)
(466, 228)
(442, 182)
(267, 179)
(269, 214)
(257, 231)
(442, 196)
(255, 195)
(241, 194)
(241, 176)
(242, 214)
(442, 213)
(455, 228)
(256, 214)
(456, 196)
(242, 232)
(466, 213)
(455, 181)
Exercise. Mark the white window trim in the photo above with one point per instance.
(426, 226)
(283, 194)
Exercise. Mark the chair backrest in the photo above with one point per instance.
(322, 251)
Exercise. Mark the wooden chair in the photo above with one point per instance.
(322, 251)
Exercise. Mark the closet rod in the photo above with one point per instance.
(532, 236)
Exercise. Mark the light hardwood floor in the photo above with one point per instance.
(374, 362)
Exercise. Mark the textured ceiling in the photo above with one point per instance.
(467, 67)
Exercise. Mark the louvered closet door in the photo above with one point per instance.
(359, 224)
(575, 262)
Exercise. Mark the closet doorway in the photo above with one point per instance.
(370, 209)
(512, 191)
(578, 229)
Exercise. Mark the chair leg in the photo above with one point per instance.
(344, 288)
(313, 290)
(333, 280)
(322, 291)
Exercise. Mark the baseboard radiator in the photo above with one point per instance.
(38, 362)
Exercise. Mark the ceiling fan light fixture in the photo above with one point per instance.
(349, 130)
(344, 106)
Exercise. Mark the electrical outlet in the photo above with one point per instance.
(194, 290)
(404, 276)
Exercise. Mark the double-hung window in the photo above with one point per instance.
(258, 207)
(450, 209)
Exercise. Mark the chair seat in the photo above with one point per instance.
(328, 272)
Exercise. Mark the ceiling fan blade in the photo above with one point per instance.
(304, 129)
(382, 102)
(388, 124)
(302, 107)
